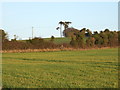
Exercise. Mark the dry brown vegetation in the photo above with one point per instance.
(51, 50)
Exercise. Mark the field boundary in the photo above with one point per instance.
(52, 50)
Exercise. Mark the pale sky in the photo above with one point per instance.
(19, 17)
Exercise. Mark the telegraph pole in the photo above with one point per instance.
(61, 30)
(32, 32)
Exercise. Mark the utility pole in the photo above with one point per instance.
(32, 32)
(61, 30)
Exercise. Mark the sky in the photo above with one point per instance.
(18, 18)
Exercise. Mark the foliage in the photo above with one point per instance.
(105, 38)
(3, 36)
(65, 24)
(70, 32)
(59, 40)
(73, 43)
(35, 43)
(79, 39)
(90, 42)
(52, 38)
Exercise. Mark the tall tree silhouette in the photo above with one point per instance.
(65, 24)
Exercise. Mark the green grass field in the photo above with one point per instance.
(61, 69)
(56, 40)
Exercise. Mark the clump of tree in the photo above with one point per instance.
(64, 24)
(3, 36)
(35, 43)
(15, 45)
(52, 38)
(15, 38)
(90, 42)
(73, 43)
(85, 38)
(40, 43)
(106, 38)
(79, 40)
(70, 32)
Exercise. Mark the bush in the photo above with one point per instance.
(73, 43)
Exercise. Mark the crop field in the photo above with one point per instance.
(61, 69)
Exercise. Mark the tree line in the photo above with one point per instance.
(83, 38)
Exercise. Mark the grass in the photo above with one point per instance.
(61, 69)
(56, 40)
